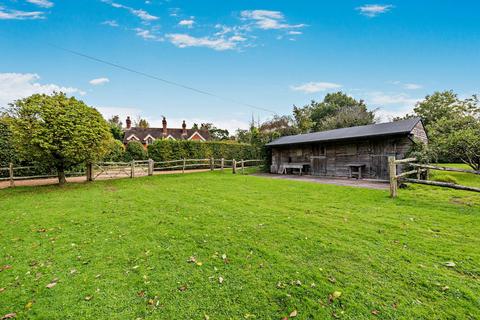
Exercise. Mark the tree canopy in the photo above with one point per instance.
(337, 110)
(58, 131)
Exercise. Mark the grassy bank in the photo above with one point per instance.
(219, 246)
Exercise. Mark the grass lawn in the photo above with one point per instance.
(259, 248)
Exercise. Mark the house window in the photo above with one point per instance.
(149, 140)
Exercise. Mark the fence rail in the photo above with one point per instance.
(132, 169)
(419, 170)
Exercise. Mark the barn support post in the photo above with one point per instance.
(212, 164)
(392, 170)
(10, 173)
(222, 164)
(184, 164)
(243, 166)
(132, 171)
(234, 166)
(151, 163)
(89, 172)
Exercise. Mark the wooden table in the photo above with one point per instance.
(358, 171)
(299, 166)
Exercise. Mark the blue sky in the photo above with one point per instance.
(270, 54)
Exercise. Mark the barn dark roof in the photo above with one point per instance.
(373, 130)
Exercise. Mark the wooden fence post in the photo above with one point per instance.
(132, 172)
(10, 173)
(222, 164)
(212, 164)
(151, 163)
(243, 166)
(184, 164)
(392, 170)
(89, 171)
(234, 166)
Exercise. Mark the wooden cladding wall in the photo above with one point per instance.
(332, 159)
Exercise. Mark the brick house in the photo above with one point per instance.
(148, 135)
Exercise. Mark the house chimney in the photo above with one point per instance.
(128, 122)
(184, 128)
(164, 128)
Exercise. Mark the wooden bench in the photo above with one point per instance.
(357, 173)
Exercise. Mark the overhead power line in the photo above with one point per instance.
(173, 83)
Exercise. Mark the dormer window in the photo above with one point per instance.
(149, 140)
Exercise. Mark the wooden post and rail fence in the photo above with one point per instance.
(422, 170)
(131, 169)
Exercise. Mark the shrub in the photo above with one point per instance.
(117, 152)
(165, 150)
(135, 151)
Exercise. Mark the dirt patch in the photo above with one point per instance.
(369, 184)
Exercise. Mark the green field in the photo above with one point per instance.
(223, 246)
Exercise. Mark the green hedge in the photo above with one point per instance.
(165, 150)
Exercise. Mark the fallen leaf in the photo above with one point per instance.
(333, 296)
(88, 298)
(9, 316)
(375, 312)
(445, 288)
(206, 317)
(199, 264)
(5, 267)
(293, 314)
(224, 256)
(29, 305)
(73, 271)
(52, 284)
(2, 289)
(192, 259)
(220, 280)
(141, 293)
(42, 230)
(183, 288)
(332, 279)
(298, 283)
(450, 264)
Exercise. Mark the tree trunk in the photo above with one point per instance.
(61, 177)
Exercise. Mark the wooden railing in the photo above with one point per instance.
(131, 169)
(419, 170)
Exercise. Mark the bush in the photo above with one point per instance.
(135, 151)
(117, 152)
(165, 150)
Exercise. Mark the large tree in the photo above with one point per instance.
(58, 131)
(7, 151)
(116, 127)
(337, 110)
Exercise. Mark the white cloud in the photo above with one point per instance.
(312, 87)
(6, 14)
(111, 23)
(387, 114)
(186, 23)
(99, 81)
(412, 86)
(147, 34)
(15, 86)
(266, 19)
(140, 13)
(219, 44)
(42, 3)
(373, 10)
(400, 99)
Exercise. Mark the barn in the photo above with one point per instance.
(360, 152)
